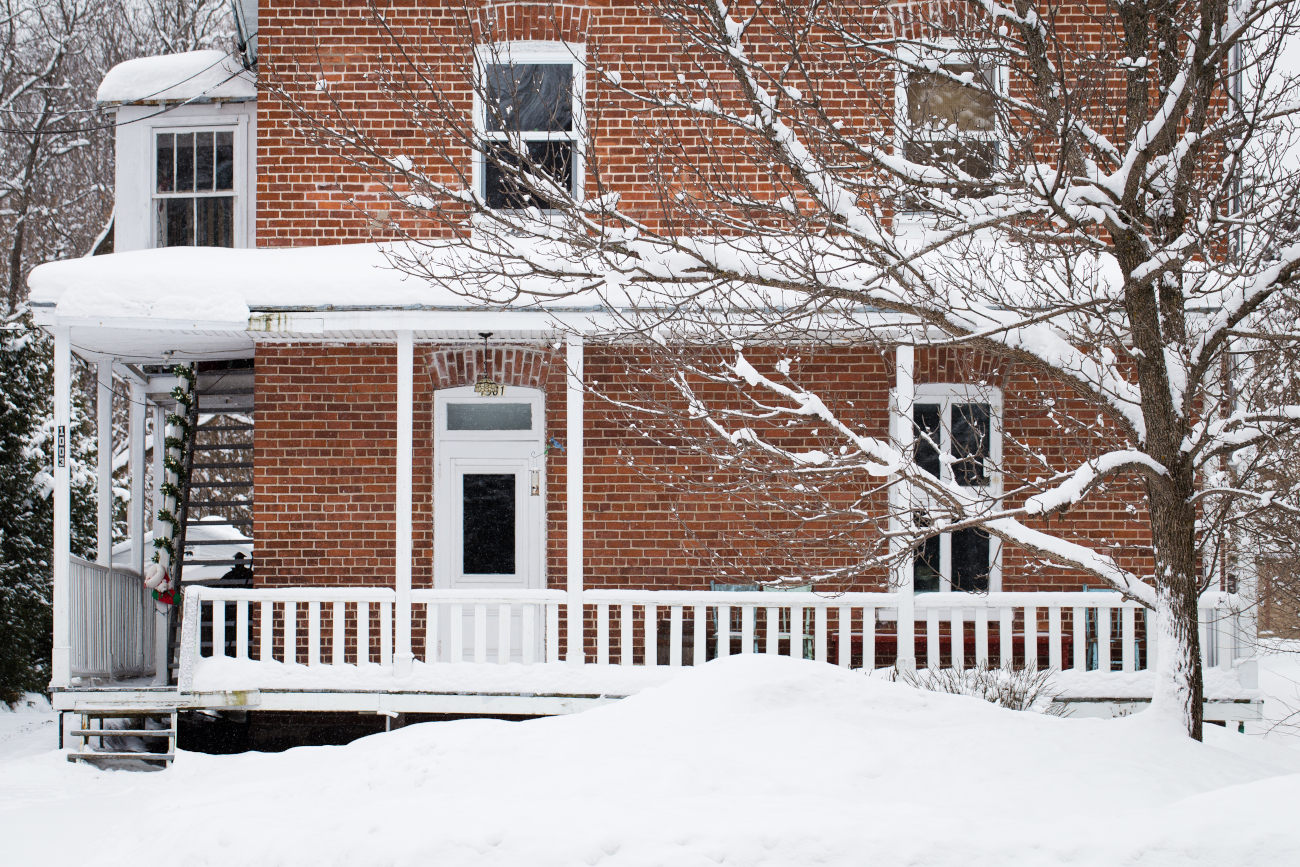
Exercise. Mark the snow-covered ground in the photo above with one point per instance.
(748, 760)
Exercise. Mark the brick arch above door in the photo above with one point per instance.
(523, 366)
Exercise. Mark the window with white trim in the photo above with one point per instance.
(194, 188)
(948, 112)
(958, 438)
(528, 113)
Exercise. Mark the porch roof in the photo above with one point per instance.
(192, 76)
(208, 302)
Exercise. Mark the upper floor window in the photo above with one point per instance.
(529, 116)
(949, 113)
(194, 188)
(958, 438)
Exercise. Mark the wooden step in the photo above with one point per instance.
(144, 757)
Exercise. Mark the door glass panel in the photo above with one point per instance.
(970, 442)
(489, 524)
(489, 416)
(925, 566)
(970, 560)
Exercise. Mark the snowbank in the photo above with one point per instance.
(1218, 685)
(751, 760)
(194, 75)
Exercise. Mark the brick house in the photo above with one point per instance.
(425, 506)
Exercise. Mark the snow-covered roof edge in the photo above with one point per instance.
(194, 76)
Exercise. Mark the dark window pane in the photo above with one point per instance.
(970, 443)
(203, 161)
(215, 226)
(175, 222)
(225, 171)
(925, 566)
(489, 416)
(925, 426)
(970, 561)
(489, 519)
(529, 97)
(503, 189)
(975, 157)
(166, 162)
(184, 162)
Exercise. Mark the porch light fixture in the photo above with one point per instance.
(486, 387)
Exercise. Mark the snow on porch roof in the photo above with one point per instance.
(199, 76)
(219, 285)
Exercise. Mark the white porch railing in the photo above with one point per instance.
(347, 625)
(112, 621)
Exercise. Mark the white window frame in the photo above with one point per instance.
(943, 50)
(945, 395)
(238, 126)
(522, 52)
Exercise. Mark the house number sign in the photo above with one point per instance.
(488, 388)
(63, 445)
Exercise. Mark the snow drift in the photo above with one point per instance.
(747, 760)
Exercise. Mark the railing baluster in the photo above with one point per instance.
(218, 628)
(1206, 631)
(456, 633)
(868, 639)
(504, 615)
(1031, 637)
(796, 632)
(337, 635)
(553, 632)
(932, 659)
(844, 641)
(291, 632)
(480, 632)
(957, 639)
(363, 633)
(313, 633)
(241, 629)
(773, 626)
(267, 633)
(821, 626)
(1128, 635)
(722, 638)
(385, 633)
(747, 628)
(700, 636)
(1080, 628)
(1054, 637)
(1103, 638)
(602, 634)
(1149, 623)
(1006, 637)
(651, 635)
(675, 636)
(625, 633)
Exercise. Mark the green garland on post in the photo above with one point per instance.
(178, 434)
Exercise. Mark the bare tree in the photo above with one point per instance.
(1099, 204)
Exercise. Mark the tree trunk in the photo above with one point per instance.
(1178, 690)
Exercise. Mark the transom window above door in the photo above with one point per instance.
(463, 414)
(194, 188)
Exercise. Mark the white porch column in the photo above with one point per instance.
(161, 674)
(135, 423)
(904, 395)
(104, 445)
(61, 669)
(403, 659)
(574, 559)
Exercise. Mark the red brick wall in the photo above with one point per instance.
(326, 435)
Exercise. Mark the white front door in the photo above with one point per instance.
(488, 510)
